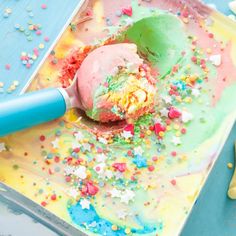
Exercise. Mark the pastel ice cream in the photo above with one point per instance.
(120, 85)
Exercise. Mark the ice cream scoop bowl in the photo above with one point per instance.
(151, 39)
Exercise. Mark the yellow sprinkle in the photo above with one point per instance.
(168, 128)
(176, 127)
(230, 165)
(188, 99)
(209, 51)
(161, 134)
(16, 83)
(41, 46)
(149, 132)
(127, 231)
(178, 99)
(177, 134)
(31, 27)
(1, 84)
(188, 66)
(186, 20)
(114, 227)
(110, 141)
(34, 57)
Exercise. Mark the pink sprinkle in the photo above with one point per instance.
(121, 167)
(44, 6)
(173, 182)
(183, 131)
(7, 66)
(210, 35)
(46, 39)
(173, 154)
(99, 150)
(174, 113)
(151, 168)
(38, 32)
(127, 11)
(28, 65)
(154, 158)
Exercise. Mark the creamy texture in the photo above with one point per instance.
(113, 84)
(144, 179)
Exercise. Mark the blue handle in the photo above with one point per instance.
(31, 109)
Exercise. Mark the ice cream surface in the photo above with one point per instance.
(143, 178)
(120, 86)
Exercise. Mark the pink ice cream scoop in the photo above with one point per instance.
(115, 84)
(111, 84)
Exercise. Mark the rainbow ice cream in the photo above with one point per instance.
(144, 177)
(121, 85)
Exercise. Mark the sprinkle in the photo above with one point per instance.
(114, 227)
(140, 161)
(43, 204)
(127, 11)
(211, 35)
(46, 39)
(127, 230)
(7, 66)
(41, 46)
(173, 182)
(2, 147)
(151, 168)
(42, 138)
(215, 60)
(44, 6)
(38, 32)
(54, 197)
(230, 165)
(85, 204)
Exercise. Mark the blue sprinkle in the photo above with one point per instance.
(140, 161)
(49, 156)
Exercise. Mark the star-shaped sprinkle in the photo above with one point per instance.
(2, 147)
(79, 136)
(167, 99)
(138, 151)
(127, 196)
(115, 193)
(176, 141)
(85, 204)
(73, 193)
(80, 172)
(87, 147)
(55, 143)
(118, 175)
(140, 161)
(164, 112)
(75, 145)
(69, 170)
(101, 157)
(102, 140)
(195, 92)
(126, 134)
(108, 174)
(186, 116)
(122, 214)
(215, 60)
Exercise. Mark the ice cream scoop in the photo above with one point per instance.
(111, 84)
